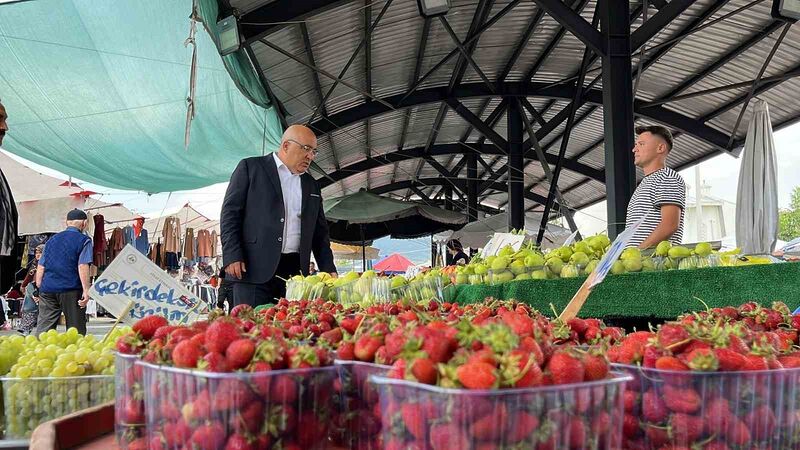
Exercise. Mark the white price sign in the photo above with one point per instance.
(500, 241)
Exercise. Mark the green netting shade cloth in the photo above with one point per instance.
(97, 89)
(364, 216)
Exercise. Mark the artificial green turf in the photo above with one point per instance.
(662, 295)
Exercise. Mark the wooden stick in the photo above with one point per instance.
(119, 319)
(574, 306)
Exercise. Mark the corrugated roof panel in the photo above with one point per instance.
(542, 35)
(385, 132)
(394, 48)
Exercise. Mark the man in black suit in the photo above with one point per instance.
(272, 219)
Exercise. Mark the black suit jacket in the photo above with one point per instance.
(251, 222)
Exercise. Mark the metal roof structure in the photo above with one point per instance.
(419, 108)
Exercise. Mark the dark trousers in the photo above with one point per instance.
(50, 308)
(255, 294)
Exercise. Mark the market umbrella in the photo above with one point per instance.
(757, 196)
(394, 263)
(364, 216)
(477, 234)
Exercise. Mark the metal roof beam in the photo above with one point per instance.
(578, 6)
(521, 44)
(576, 24)
(271, 16)
(481, 14)
(477, 90)
(658, 22)
(467, 54)
(438, 150)
(476, 122)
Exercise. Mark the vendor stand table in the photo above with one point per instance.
(633, 300)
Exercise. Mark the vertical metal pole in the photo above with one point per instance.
(516, 182)
(472, 186)
(448, 197)
(617, 111)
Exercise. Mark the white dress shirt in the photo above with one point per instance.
(292, 203)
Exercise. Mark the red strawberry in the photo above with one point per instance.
(477, 375)
(657, 436)
(415, 419)
(592, 334)
(311, 431)
(142, 444)
(703, 360)
(346, 351)
(232, 394)
(577, 433)
(614, 334)
(147, 326)
(577, 325)
(437, 346)
(239, 353)
(447, 436)
(163, 332)
(631, 401)
(424, 370)
(491, 426)
(525, 425)
(208, 437)
(214, 362)
(333, 336)
(682, 400)
(755, 362)
(789, 362)
(673, 337)
(249, 419)
(564, 368)
(718, 415)
(241, 311)
(220, 334)
(737, 433)
(630, 426)
(685, 429)
(761, 422)
(350, 324)
(129, 344)
(132, 411)
(261, 381)
(595, 367)
(653, 408)
(366, 347)
(673, 364)
(283, 390)
(186, 354)
(239, 442)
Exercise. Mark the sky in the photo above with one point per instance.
(721, 173)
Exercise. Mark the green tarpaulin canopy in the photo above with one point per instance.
(97, 89)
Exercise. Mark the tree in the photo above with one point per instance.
(789, 219)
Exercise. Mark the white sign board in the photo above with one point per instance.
(612, 255)
(132, 277)
(500, 240)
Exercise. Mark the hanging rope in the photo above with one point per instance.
(193, 74)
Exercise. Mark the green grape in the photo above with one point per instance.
(24, 372)
(72, 368)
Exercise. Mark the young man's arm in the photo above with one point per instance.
(670, 221)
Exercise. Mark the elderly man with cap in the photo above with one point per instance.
(62, 276)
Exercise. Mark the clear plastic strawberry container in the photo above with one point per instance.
(575, 416)
(357, 422)
(28, 402)
(278, 409)
(129, 419)
(756, 409)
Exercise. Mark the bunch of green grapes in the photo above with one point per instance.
(10, 349)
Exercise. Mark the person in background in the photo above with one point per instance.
(660, 199)
(224, 291)
(62, 276)
(30, 307)
(456, 253)
(312, 268)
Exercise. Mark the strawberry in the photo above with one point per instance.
(241, 311)
(232, 394)
(761, 421)
(703, 360)
(129, 344)
(755, 362)
(729, 360)
(592, 334)
(525, 424)
(186, 354)
(630, 399)
(491, 426)
(176, 433)
(658, 437)
(239, 353)
(614, 334)
(366, 347)
(350, 324)
(220, 334)
(208, 437)
(682, 400)
(477, 375)
(577, 325)
(214, 362)
(146, 327)
(142, 444)
(654, 410)
(424, 370)
(718, 415)
(790, 362)
(283, 390)
(577, 433)
(595, 367)
(131, 412)
(685, 429)
(630, 426)
(437, 346)
(601, 424)
(250, 418)
(737, 433)
(239, 442)
(673, 337)
(311, 431)
(333, 336)
(415, 418)
(564, 368)
(447, 436)
(346, 351)
(163, 332)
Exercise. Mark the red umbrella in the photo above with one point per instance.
(393, 263)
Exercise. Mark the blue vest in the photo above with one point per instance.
(62, 252)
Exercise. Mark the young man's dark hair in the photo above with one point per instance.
(657, 130)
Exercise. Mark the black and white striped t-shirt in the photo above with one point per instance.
(662, 187)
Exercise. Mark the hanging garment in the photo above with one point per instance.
(141, 242)
(189, 244)
(99, 241)
(214, 243)
(116, 243)
(171, 232)
(203, 244)
(89, 231)
(128, 235)
(171, 261)
(138, 226)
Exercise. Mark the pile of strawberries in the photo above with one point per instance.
(712, 380)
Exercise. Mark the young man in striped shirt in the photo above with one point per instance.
(661, 196)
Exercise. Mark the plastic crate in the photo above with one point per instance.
(281, 408)
(357, 423)
(129, 419)
(577, 416)
(29, 402)
(757, 409)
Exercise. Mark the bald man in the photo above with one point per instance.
(272, 219)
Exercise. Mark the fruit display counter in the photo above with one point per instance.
(656, 295)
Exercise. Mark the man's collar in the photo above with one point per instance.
(73, 229)
(279, 162)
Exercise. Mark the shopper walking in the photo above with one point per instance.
(272, 220)
(62, 276)
(30, 306)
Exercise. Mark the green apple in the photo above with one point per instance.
(523, 276)
(539, 275)
(582, 247)
(631, 253)
(517, 267)
(462, 278)
(398, 281)
(632, 264)
(503, 277)
(702, 249)
(500, 263)
(618, 268)
(599, 242)
(554, 265)
(569, 271)
(481, 269)
(534, 260)
(662, 249)
(564, 253)
(506, 251)
(579, 259)
(590, 267)
(679, 251)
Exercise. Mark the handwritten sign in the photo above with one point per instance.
(132, 277)
(500, 240)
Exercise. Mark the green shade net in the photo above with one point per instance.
(97, 90)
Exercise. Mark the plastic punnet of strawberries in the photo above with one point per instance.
(725, 378)
(247, 381)
(492, 379)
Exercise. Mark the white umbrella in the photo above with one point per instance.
(478, 233)
(757, 196)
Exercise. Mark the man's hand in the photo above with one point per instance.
(84, 300)
(334, 275)
(236, 269)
